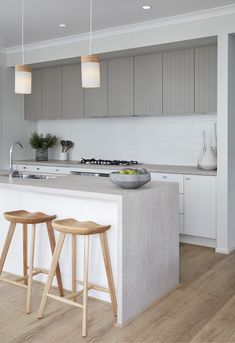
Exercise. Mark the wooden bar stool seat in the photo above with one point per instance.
(74, 227)
(25, 218)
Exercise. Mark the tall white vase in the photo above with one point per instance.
(208, 160)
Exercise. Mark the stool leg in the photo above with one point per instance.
(108, 268)
(30, 278)
(54, 264)
(7, 245)
(85, 285)
(25, 253)
(51, 236)
(74, 265)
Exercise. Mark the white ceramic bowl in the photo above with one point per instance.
(130, 181)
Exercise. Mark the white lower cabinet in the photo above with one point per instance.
(200, 206)
(178, 178)
(181, 223)
(197, 203)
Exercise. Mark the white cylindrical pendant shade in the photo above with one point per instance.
(90, 67)
(23, 79)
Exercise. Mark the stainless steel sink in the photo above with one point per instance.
(34, 176)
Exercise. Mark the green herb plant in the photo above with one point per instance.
(40, 141)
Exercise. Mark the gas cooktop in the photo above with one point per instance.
(108, 162)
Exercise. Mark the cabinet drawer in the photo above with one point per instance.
(43, 169)
(181, 203)
(53, 170)
(22, 167)
(170, 178)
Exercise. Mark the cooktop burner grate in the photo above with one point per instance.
(108, 162)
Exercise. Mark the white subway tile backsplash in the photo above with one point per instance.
(182, 143)
(158, 140)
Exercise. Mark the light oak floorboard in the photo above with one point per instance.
(221, 327)
(201, 310)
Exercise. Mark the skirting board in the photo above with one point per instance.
(205, 242)
(224, 251)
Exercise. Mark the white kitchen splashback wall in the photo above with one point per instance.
(158, 140)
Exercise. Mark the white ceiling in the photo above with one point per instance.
(43, 16)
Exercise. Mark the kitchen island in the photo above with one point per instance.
(143, 240)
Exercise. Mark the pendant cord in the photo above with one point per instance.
(91, 19)
(22, 30)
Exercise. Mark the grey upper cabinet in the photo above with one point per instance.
(72, 92)
(33, 102)
(120, 86)
(206, 79)
(148, 84)
(96, 99)
(51, 93)
(178, 82)
(169, 83)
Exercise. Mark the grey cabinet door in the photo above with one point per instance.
(51, 93)
(96, 99)
(148, 84)
(178, 82)
(33, 101)
(72, 92)
(120, 86)
(206, 79)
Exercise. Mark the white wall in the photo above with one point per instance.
(161, 140)
(231, 141)
(13, 127)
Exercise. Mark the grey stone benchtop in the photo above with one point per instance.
(153, 168)
(84, 186)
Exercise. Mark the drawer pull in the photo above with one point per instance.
(164, 177)
(57, 170)
(38, 168)
(187, 179)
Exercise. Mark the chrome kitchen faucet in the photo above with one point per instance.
(11, 170)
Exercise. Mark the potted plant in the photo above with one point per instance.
(41, 143)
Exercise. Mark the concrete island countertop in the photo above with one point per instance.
(85, 186)
(153, 168)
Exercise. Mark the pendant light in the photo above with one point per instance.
(23, 73)
(90, 64)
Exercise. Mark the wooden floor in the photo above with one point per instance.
(202, 309)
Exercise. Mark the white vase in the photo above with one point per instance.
(208, 160)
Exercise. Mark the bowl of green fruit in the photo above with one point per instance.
(130, 178)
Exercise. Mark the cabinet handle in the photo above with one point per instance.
(24, 167)
(187, 179)
(164, 177)
(38, 168)
(57, 170)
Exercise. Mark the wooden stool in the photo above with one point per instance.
(25, 218)
(74, 227)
